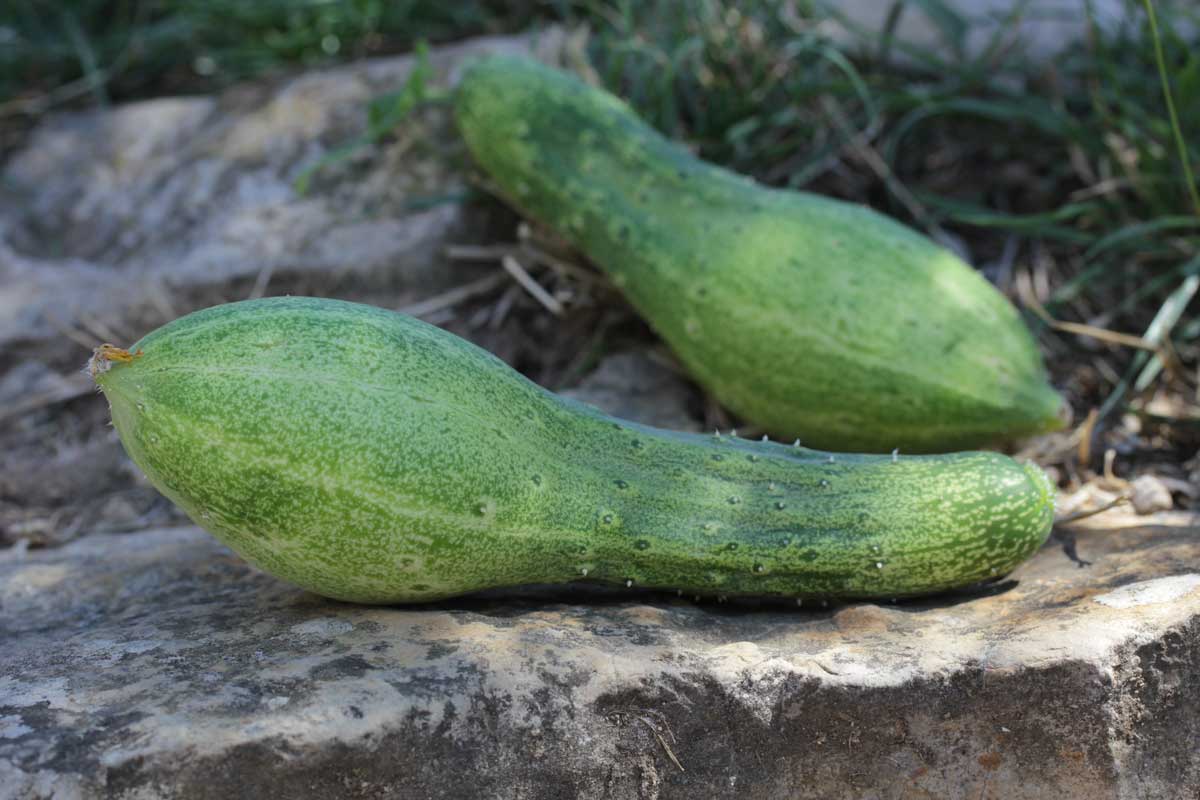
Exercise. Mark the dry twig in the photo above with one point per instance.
(514, 268)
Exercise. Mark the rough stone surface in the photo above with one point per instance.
(1149, 494)
(157, 664)
(114, 221)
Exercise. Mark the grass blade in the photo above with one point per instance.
(1177, 133)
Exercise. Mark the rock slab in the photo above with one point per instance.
(114, 221)
(157, 664)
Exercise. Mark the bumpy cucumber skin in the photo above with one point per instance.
(808, 316)
(367, 456)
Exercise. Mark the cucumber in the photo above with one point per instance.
(367, 456)
(806, 316)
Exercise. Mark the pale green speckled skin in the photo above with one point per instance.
(367, 456)
(808, 316)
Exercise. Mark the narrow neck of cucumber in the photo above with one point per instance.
(707, 514)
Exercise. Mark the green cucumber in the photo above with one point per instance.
(807, 316)
(367, 456)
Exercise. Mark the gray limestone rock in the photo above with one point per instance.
(115, 221)
(157, 664)
(1149, 494)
